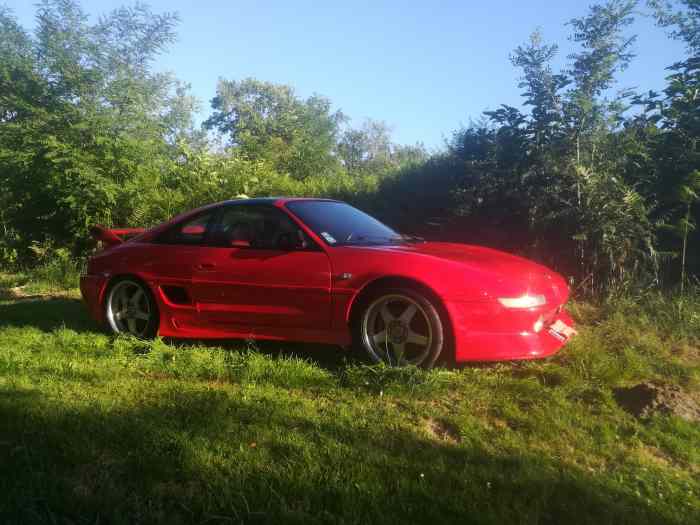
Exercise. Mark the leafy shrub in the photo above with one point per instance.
(55, 268)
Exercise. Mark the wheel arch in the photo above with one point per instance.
(387, 281)
(114, 279)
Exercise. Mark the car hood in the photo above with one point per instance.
(471, 255)
(499, 266)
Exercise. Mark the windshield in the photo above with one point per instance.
(340, 224)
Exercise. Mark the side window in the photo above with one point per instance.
(262, 227)
(188, 232)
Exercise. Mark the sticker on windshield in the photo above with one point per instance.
(328, 237)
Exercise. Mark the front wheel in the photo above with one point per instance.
(130, 309)
(401, 327)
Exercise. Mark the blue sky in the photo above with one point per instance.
(425, 68)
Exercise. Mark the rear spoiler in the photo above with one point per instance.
(114, 236)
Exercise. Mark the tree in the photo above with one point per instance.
(265, 121)
(675, 149)
(542, 92)
(367, 147)
(82, 116)
(606, 50)
(370, 149)
(557, 168)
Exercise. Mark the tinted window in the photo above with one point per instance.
(253, 226)
(339, 223)
(192, 231)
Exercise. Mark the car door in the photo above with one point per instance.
(171, 259)
(248, 277)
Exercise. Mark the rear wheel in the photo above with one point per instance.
(130, 309)
(400, 327)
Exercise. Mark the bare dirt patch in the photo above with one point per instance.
(442, 430)
(688, 353)
(646, 399)
(654, 455)
(19, 293)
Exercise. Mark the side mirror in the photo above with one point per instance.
(290, 241)
(240, 244)
(193, 229)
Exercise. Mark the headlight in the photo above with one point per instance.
(524, 301)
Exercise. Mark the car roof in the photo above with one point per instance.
(273, 200)
(237, 202)
(241, 202)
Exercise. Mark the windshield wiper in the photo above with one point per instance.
(412, 238)
(352, 238)
(359, 239)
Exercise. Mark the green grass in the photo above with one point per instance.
(97, 429)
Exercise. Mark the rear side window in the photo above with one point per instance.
(253, 226)
(192, 231)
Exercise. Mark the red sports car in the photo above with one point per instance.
(319, 270)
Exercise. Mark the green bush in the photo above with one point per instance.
(54, 269)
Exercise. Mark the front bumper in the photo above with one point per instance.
(489, 332)
(92, 289)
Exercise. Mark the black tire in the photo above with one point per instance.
(385, 336)
(129, 318)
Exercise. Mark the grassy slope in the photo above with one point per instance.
(112, 430)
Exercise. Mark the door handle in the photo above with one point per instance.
(205, 267)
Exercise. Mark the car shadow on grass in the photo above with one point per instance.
(47, 313)
(331, 357)
(194, 455)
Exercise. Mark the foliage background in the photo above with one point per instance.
(603, 188)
